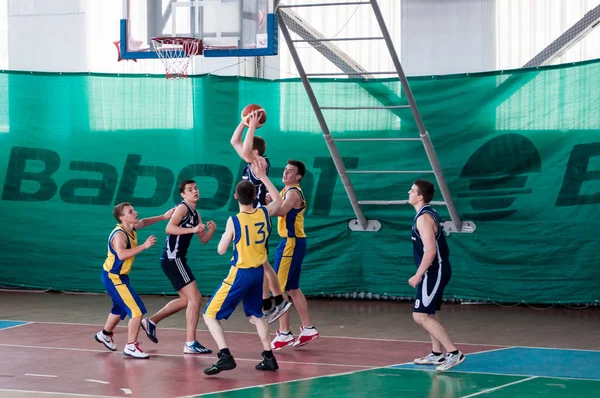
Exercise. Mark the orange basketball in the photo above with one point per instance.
(251, 108)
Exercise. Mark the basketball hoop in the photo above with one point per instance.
(176, 53)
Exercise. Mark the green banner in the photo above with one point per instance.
(520, 151)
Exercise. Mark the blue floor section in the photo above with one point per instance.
(9, 324)
(529, 362)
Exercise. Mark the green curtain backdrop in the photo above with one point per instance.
(520, 151)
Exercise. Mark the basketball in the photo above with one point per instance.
(251, 108)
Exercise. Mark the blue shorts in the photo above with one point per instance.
(242, 284)
(125, 299)
(288, 262)
(431, 290)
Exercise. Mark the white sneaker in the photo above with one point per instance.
(431, 359)
(451, 361)
(196, 348)
(306, 336)
(106, 340)
(282, 340)
(133, 350)
(278, 311)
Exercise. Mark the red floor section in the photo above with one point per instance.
(71, 353)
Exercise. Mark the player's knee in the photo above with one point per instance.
(196, 297)
(419, 317)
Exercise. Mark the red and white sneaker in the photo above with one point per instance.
(282, 340)
(133, 350)
(306, 336)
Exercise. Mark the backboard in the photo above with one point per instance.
(227, 28)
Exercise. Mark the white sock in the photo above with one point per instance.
(190, 343)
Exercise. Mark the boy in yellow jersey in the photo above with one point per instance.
(248, 230)
(253, 148)
(290, 254)
(122, 249)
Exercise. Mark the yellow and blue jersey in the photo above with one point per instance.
(292, 224)
(113, 264)
(250, 234)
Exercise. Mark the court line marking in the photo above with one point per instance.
(97, 381)
(321, 336)
(469, 354)
(555, 348)
(282, 382)
(243, 332)
(499, 387)
(38, 375)
(312, 378)
(15, 326)
(499, 374)
(181, 355)
(59, 393)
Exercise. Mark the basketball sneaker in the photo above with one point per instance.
(307, 334)
(224, 362)
(278, 311)
(267, 363)
(451, 361)
(195, 348)
(133, 350)
(282, 339)
(107, 340)
(150, 329)
(430, 359)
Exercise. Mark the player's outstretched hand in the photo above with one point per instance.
(168, 214)
(150, 242)
(268, 198)
(211, 226)
(259, 167)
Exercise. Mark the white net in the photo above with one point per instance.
(176, 53)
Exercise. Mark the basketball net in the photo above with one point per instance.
(176, 54)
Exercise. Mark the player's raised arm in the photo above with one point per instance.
(259, 168)
(226, 238)
(248, 147)
(236, 140)
(146, 222)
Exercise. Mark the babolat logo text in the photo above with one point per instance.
(501, 170)
(497, 174)
(31, 176)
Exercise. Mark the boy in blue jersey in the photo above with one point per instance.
(432, 258)
(184, 224)
(248, 230)
(122, 249)
(251, 149)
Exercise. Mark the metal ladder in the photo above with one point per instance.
(361, 223)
